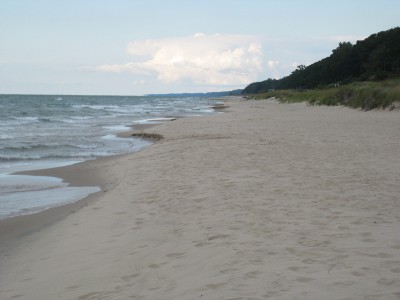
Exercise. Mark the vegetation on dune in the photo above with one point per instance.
(365, 75)
(365, 95)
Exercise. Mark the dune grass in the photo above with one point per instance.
(365, 95)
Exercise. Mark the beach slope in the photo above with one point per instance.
(267, 200)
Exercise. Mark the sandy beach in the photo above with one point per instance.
(263, 201)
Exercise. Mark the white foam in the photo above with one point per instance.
(24, 194)
(154, 120)
(117, 127)
(8, 168)
(23, 203)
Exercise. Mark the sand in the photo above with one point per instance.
(267, 200)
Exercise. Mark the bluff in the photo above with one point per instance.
(374, 58)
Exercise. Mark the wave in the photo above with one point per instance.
(47, 120)
(6, 136)
(35, 157)
(76, 119)
(48, 147)
(38, 127)
(121, 109)
(79, 118)
(22, 120)
(97, 106)
(154, 120)
(18, 121)
(37, 147)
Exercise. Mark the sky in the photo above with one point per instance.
(138, 47)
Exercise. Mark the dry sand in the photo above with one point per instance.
(264, 201)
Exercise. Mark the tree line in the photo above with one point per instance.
(375, 58)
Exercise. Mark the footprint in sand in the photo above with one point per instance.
(358, 274)
(309, 261)
(304, 279)
(201, 244)
(156, 266)
(253, 274)
(129, 277)
(388, 282)
(215, 286)
(94, 295)
(368, 240)
(175, 255)
(395, 270)
(343, 284)
(28, 279)
(227, 271)
(216, 237)
(120, 213)
(72, 287)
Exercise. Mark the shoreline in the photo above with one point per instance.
(269, 200)
(12, 228)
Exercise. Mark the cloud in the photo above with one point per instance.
(200, 59)
(272, 64)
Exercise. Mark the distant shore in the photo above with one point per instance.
(266, 200)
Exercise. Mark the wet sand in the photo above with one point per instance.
(268, 200)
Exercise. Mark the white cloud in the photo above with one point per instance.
(272, 64)
(199, 34)
(140, 82)
(201, 59)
